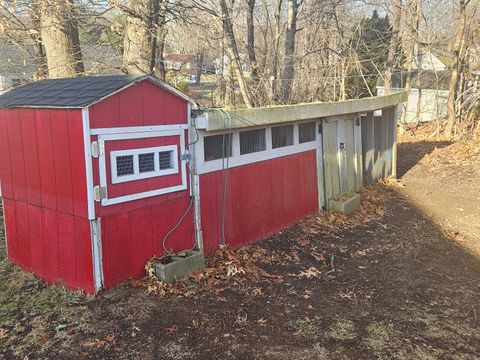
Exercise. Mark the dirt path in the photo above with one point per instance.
(445, 184)
(401, 289)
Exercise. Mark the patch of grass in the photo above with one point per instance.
(30, 310)
(343, 329)
(305, 327)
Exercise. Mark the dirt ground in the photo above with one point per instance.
(398, 280)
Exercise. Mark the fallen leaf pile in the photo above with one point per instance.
(329, 222)
(223, 266)
(242, 266)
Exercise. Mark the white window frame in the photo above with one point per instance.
(137, 175)
(236, 159)
(137, 133)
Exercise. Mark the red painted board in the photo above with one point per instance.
(77, 160)
(116, 249)
(6, 185)
(262, 198)
(11, 230)
(141, 239)
(46, 158)
(67, 256)
(154, 102)
(19, 177)
(62, 161)
(51, 248)
(131, 106)
(35, 241)
(30, 150)
(21, 220)
(105, 113)
(83, 250)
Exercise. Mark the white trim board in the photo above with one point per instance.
(136, 129)
(236, 159)
(88, 162)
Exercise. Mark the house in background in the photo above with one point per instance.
(431, 57)
(427, 100)
(430, 79)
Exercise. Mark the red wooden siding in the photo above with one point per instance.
(132, 237)
(262, 198)
(132, 231)
(141, 104)
(42, 168)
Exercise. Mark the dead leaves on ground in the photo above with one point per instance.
(329, 223)
(3, 334)
(243, 266)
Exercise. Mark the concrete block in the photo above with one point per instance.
(345, 204)
(179, 267)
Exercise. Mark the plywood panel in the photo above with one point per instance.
(62, 161)
(83, 250)
(368, 147)
(30, 149)
(19, 177)
(23, 237)
(262, 199)
(358, 156)
(67, 250)
(77, 159)
(45, 159)
(35, 240)
(51, 245)
(6, 185)
(11, 230)
(330, 155)
(349, 164)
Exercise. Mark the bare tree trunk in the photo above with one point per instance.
(200, 57)
(251, 40)
(415, 10)
(232, 50)
(289, 66)
(454, 80)
(276, 47)
(392, 49)
(140, 36)
(160, 48)
(59, 33)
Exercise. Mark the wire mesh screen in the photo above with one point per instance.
(282, 136)
(252, 141)
(146, 162)
(306, 132)
(165, 159)
(125, 165)
(217, 146)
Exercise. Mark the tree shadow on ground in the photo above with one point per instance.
(410, 153)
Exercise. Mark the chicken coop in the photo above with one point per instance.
(99, 174)
(93, 174)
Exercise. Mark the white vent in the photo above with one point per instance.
(136, 164)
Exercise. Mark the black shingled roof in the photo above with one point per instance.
(65, 93)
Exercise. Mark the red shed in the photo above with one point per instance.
(94, 175)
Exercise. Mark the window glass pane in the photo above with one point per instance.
(146, 162)
(282, 136)
(165, 159)
(213, 149)
(306, 132)
(124, 165)
(252, 141)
